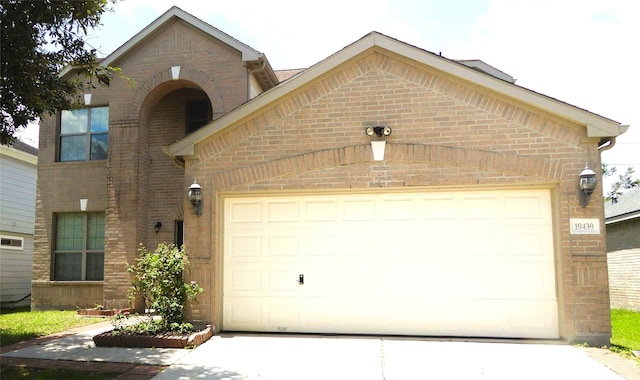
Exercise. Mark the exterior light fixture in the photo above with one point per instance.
(378, 146)
(588, 183)
(378, 131)
(157, 227)
(195, 196)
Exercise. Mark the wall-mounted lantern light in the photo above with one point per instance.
(588, 183)
(157, 227)
(378, 146)
(195, 196)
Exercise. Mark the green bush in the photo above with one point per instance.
(157, 279)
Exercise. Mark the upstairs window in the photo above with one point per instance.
(198, 113)
(84, 133)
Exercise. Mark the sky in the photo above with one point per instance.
(582, 52)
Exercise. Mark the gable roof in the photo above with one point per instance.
(625, 208)
(258, 61)
(597, 126)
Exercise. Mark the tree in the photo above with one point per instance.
(624, 182)
(38, 39)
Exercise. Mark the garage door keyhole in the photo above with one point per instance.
(301, 279)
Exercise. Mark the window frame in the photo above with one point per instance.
(88, 135)
(84, 251)
(11, 246)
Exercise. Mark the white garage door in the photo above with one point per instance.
(447, 264)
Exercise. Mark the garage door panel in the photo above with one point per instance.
(281, 280)
(282, 245)
(438, 242)
(525, 207)
(399, 209)
(357, 244)
(490, 317)
(319, 245)
(359, 315)
(243, 278)
(240, 212)
(446, 317)
(398, 242)
(320, 211)
(358, 210)
(243, 313)
(319, 315)
(534, 243)
(281, 211)
(481, 243)
(480, 208)
(462, 263)
(321, 281)
(532, 280)
(239, 245)
(439, 209)
(537, 319)
(359, 280)
(284, 316)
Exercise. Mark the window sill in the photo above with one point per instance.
(67, 283)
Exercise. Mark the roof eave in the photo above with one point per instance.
(597, 126)
(248, 53)
(623, 217)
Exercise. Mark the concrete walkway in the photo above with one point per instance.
(304, 357)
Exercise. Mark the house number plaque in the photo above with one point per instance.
(585, 226)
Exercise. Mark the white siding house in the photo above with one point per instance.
(17, 209)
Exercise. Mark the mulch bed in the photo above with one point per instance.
(118, 339)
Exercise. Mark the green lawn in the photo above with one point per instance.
(21, 324)
(625, 330)
(30, 373)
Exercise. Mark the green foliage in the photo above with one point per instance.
(123, 325)
(38, 39)
(625, 329)
(22, 324)
(625, 181)
(157, 278)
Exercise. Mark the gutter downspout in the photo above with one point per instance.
(612, 142)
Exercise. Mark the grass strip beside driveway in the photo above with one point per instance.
(21, 324)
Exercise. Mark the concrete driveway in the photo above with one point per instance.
(311, 357)
(307, 357)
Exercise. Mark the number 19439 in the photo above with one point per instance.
(585, 226)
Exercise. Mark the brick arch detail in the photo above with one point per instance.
(407, 153)
(177, 213)
(148, 91)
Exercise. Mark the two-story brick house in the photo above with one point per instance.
(384, 190)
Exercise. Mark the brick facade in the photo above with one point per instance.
(447, 134)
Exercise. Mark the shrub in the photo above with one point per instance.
(157, 278)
